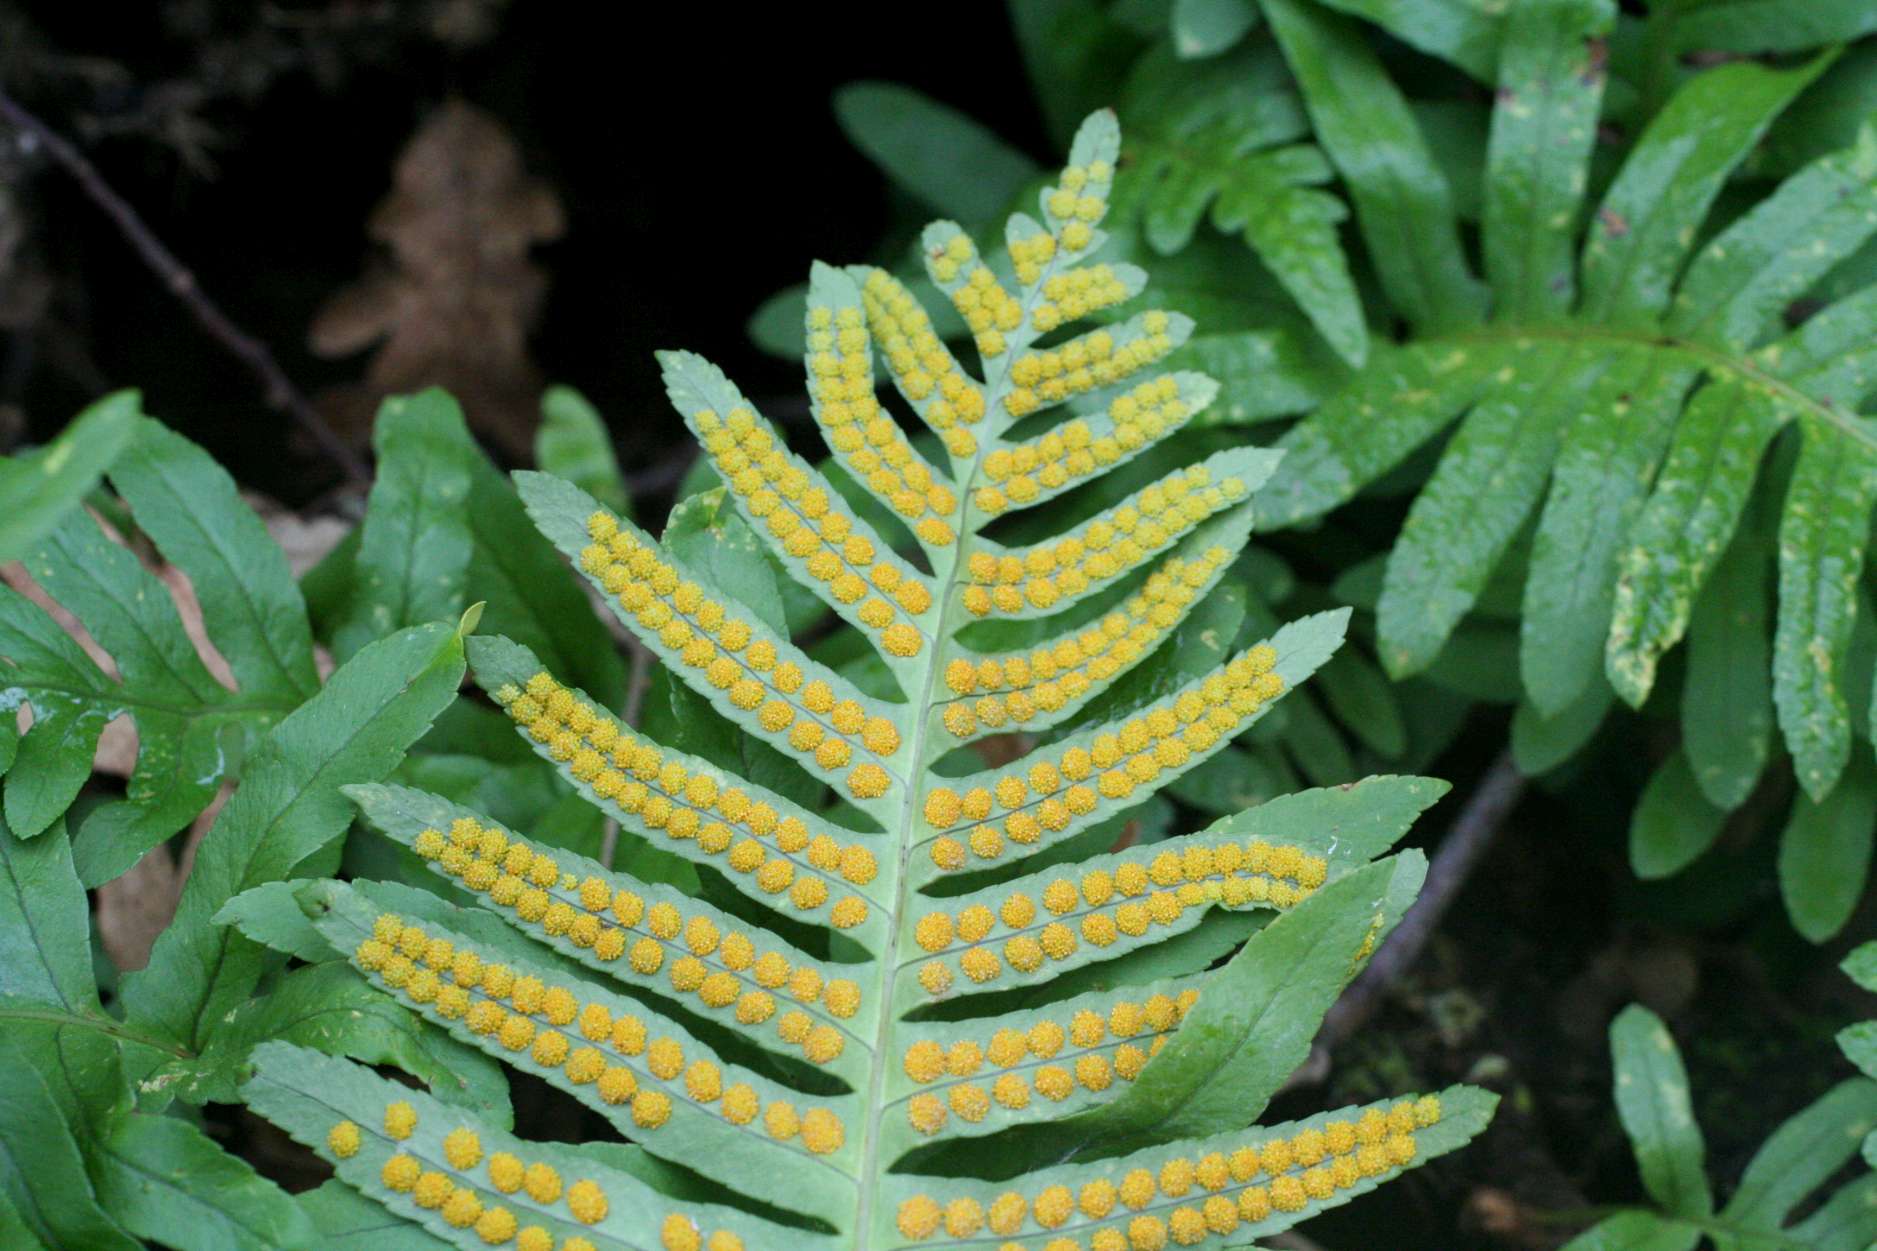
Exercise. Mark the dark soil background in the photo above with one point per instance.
(699, 166)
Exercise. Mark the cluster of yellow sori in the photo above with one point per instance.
(1056, 1060)
(1186, 1200)
(1048, 795)
(777, 852)
(1109, 906)
(458, 985)
(864, 435)
(802, 515)
(1085, 363)
(723, 970)
(826, 732)
(1109, 547)
(924, 370)
(1013, 689)
(1021, 472)
(989, 311)
(1076, 293)
(1077, 202)
(461, 1187)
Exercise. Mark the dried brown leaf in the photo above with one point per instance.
(453, 299)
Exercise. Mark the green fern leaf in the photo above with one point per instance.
(1825, 853)
(1802, 1155)
(104, 1171)
(891, 957)
(1464, 32)
(41, 488)
(192, 728)
(1727, 699)
(1616, 395)
(1767, 26)
(1210, 136)
(1208, 27)
(1403, 202)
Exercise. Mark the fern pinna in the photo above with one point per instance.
(803, 1054)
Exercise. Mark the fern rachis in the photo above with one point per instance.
(818, 1035)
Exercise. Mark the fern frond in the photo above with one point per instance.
(1243, 1184)
(811, 1034)
(1612, 389)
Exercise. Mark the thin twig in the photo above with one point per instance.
(609, 842)
(280, 392)
(1460, 852)
(638, 680)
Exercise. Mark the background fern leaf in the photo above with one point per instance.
(1627, 398)
(193, 730)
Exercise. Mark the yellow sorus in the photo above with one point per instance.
(587, 1202)
(400, 1120)
(496, 1225)
(401, 1173)
(1016, 688)
(462, 1148)
(462, 1209)
(797, 511)
(919, 1217)
(343, 1140)
(663, 794)
(1111, 547)
(1170, 735)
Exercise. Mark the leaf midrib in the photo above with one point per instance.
(113, 699)
(875, 1105)
(104, 1025)
(1710, 357)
